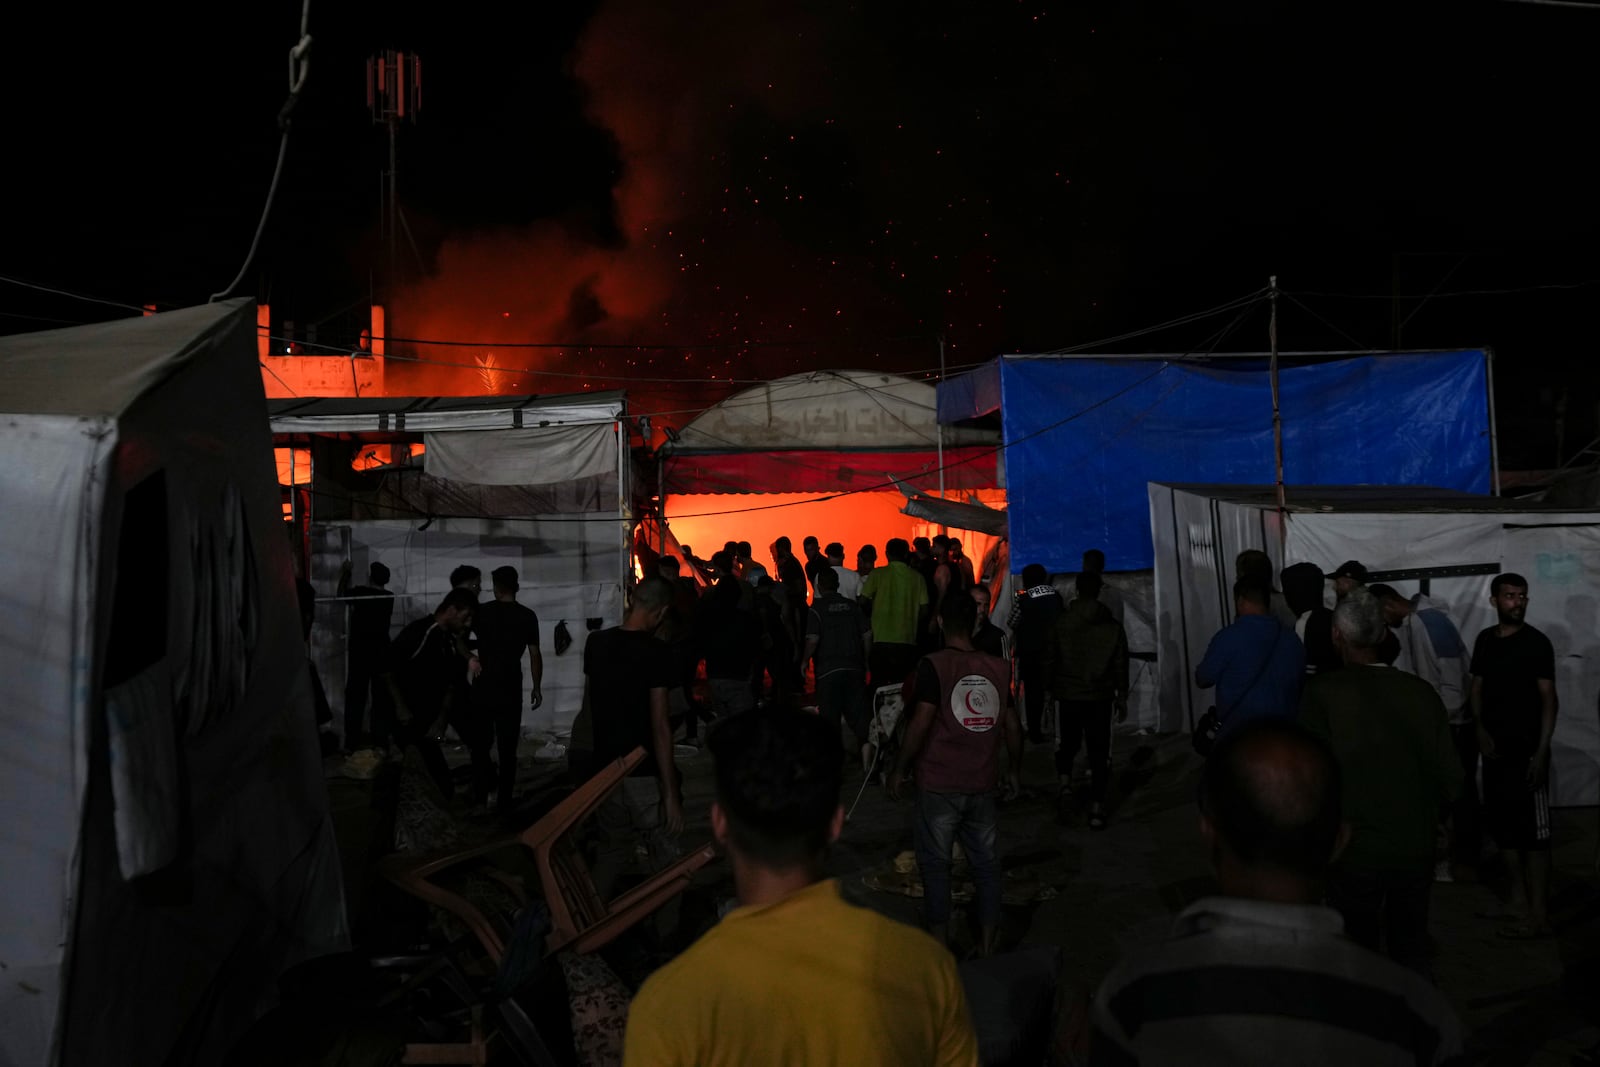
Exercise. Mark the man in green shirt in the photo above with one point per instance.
(1391, 735)
(895, 598)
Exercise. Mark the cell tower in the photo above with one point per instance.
(394, 96)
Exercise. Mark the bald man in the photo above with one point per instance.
(1264, 966)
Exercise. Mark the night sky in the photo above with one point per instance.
(768, 190)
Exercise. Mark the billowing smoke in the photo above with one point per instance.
(671, 83)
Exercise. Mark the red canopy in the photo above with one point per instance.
(968, 467)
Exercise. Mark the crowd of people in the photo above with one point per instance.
(1344, 749)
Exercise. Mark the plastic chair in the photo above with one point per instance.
(581, 922)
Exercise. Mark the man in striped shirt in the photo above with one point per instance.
(1263, 974)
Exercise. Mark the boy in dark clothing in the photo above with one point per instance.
(425, 677)
(1086, 663)
(1033, 619)
(505, 630)
(1303, 585)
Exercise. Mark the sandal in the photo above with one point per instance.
(1097, 818)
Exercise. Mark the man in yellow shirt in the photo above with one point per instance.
(795, 974)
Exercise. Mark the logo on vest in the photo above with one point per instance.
(975, 703)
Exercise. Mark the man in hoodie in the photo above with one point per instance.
(1033, 617)
(1431, 648)
(1086, 663)
(1303, 586)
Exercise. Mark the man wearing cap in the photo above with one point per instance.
(504, 628)
(1351, 576)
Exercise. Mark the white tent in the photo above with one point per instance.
(538, 483)
(1411, 538)
(166, 848)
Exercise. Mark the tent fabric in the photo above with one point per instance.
(1199, 530)
(104, 595)
(954, 513)
(970, 396)
(848, 410)
(1084, 436)
(113, 363)
(547, 455)
(422, 414)
(52, 464)
(568, 567)
(828, 471)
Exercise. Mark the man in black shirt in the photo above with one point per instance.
(838, 637)
(1033, 620)
(1303, 586)
(368, 643)
(1514, 703)
(815, 559)
(424, 677)
(504, 628)
(987, 638)
(629, 672)
(729, 637)
(792, 576)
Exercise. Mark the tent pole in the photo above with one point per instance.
(1277, 418)
(622, 509)
(1494, 432)
(661, 499)
(938, 430)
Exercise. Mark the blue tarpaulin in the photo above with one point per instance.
(1084, 436)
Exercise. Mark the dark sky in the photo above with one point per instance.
(862, 178)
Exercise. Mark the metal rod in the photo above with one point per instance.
(1277, 415)
(394, 201)
(1494, 430)
(938, 430)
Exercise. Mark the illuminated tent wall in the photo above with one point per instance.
(1416, 539)
(167, 849)
(533, 482)
(810, 435)
(1084, 435)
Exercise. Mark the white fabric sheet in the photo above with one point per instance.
(540, 455)
(46, 549)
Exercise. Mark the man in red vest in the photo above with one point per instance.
(961, 717)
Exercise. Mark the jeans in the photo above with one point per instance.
(1030, 671)
(730, 696)
(366, 671)
(1466, 837)
(842, 695)
(499, 725)
(942, 818)
(1088, 721)
(1386, 911)
(630, 815)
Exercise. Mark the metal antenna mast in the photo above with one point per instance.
(394, 96)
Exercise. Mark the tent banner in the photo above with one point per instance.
(541, 455)
(829, 472)
(1084, 437)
